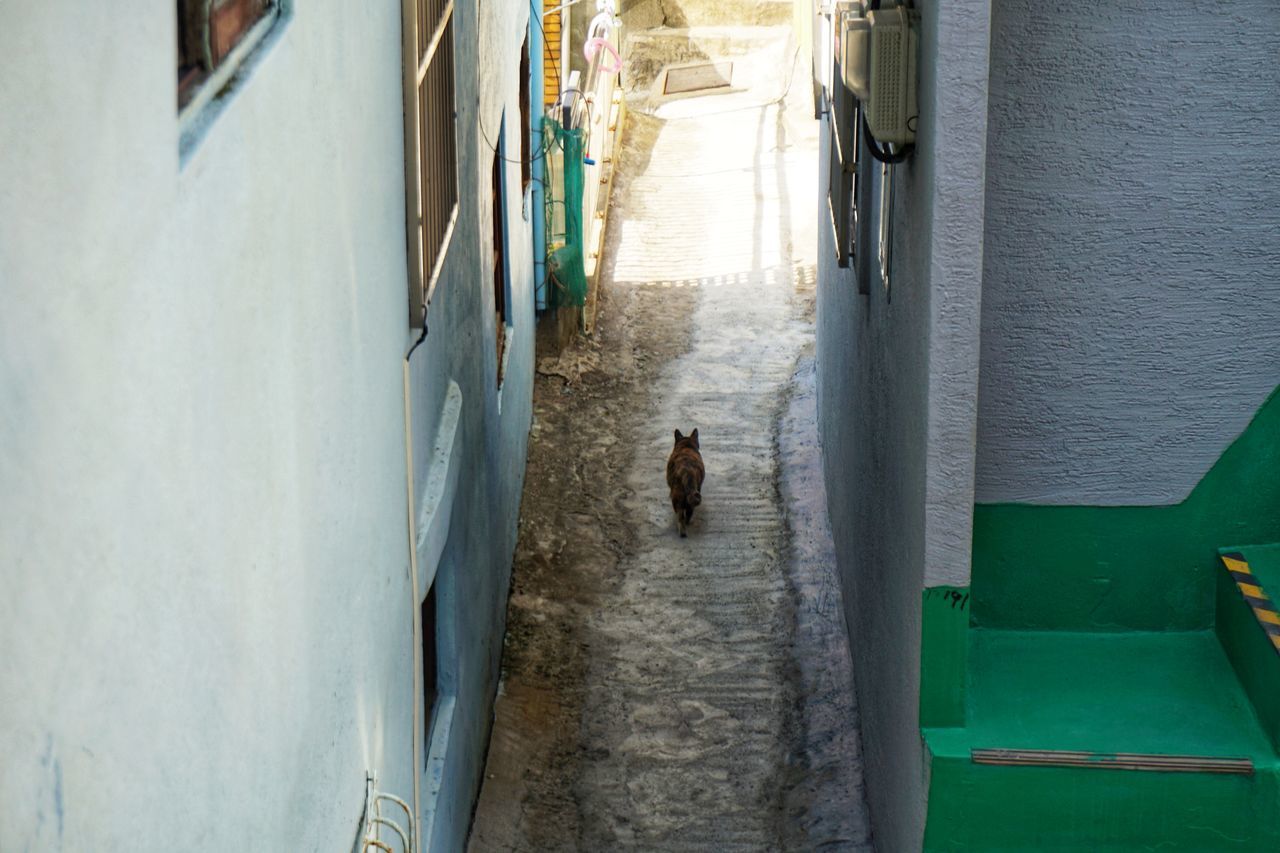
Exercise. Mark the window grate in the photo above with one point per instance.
(431, 140)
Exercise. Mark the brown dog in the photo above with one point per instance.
(684, 475)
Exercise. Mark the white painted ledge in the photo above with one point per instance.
(440, 489)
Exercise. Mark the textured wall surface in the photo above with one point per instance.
(1132, 280)
(871, 416)
(897, 402)
(208, 613)
(953, 95)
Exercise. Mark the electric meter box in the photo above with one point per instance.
(890, 106)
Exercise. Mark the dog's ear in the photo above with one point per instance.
(694, 436)
(679, 435)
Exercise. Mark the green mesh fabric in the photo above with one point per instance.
(564, 253)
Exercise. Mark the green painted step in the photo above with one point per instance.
(1255, 571)
(1246, 625)
(1143, 696)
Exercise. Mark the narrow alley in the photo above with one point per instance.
(661, 693)
(342, 350)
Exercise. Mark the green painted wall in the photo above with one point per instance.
(1105, 693)
(986, 809)
(1252, 656)
(1127, 568)
(944, 656)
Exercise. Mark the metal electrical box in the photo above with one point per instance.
(890, 106)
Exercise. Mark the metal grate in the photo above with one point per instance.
(1112, 761)
(695, 78)
(889, 60)
(430, 145)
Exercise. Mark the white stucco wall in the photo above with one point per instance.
(207, 635)
(954, 129)
(1132, 247)
(897, 403)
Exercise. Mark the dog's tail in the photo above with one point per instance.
(694, 498)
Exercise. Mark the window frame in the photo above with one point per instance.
(198, 104)
(429, 616)
(526, 114)
(501, 250)
(843, 115)
(199, 43)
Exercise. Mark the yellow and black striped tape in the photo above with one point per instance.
(1264, 609)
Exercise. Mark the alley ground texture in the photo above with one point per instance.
(661, 693)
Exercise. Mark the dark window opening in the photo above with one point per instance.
(499, 261)
(526, 159)
(208, 30)
(430, 662)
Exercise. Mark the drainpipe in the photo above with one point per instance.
(416, 639)
(537, 198)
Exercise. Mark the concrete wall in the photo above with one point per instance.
(475, 557)
(897, 402)
(208, 632)
(1132, 246)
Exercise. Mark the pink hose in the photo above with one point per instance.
(598, 43)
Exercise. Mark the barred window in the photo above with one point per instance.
(431, 170)
(209, 31)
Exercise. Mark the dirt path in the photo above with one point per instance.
(661, 693)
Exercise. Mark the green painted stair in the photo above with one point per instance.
(1116, 741)
(1095, 640)
(1248, 626)
(1053, 695)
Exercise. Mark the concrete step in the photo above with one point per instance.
(649, 52)
(1247, 623)
(1090, 741)
(704, 13)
